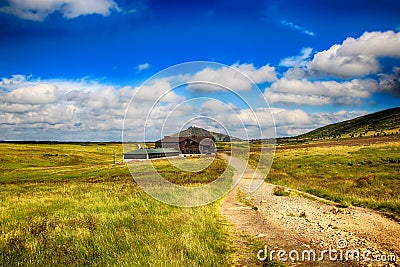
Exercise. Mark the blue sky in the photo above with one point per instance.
(68, 68)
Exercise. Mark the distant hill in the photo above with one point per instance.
(196, 131)
(380, 123)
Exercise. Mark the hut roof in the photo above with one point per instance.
(176, 139)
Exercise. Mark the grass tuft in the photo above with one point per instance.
(280, 191)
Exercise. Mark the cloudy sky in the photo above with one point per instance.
(69, 68)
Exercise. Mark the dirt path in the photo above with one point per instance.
(297, 223)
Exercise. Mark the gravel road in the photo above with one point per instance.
(298, 223)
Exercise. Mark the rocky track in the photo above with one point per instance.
(299, 224)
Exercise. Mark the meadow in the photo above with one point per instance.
(65, 204)
(69, 204)
(361, 173)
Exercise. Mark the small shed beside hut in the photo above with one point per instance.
(141, 154)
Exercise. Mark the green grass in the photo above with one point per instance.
(246, 200)
(247, 249)
(280, 191)
(214, 169)
(70, 205)
(223, 146)
(22, 163)
(366, 176)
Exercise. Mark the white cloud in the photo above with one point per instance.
(159, 90)
(14, 80)
(63, 108)
(297, 27)
(356, 57)
(267, 117)
(38, 10)
(290, 99)
(210, 79)
(299, 60)
(295, 122)
(295, 73)
(264, 74)
(304, 92)
(36, 94)
(86, 110)
(285, 117)
(215, 106)
(320, 119)
(390, 82)
(224, 76)
(17, 108)
(245, 122)
(143, 66)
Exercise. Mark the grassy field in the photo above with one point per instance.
(348, 173)
(70, 205)
(64, 204)
(172, 172)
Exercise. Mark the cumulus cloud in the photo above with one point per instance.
(295, 122)
(390, 82)
(159, 90)
(299, 60)
(246, 123)
(291, 118)
(264, 74)
(86, 110)
(17, 108)
(36, 94)
(38, 10)
(14, 80)
(320, 119)
(215, 106)
(291, 99)
(305, 92)
(60, 107)
(356, 57)
(297, 72)
(210, 79)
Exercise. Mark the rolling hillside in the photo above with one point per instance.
(380, 123)
(202, 132)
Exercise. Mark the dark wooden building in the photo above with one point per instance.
(188, 145)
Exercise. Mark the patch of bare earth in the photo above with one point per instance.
(300, 224)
